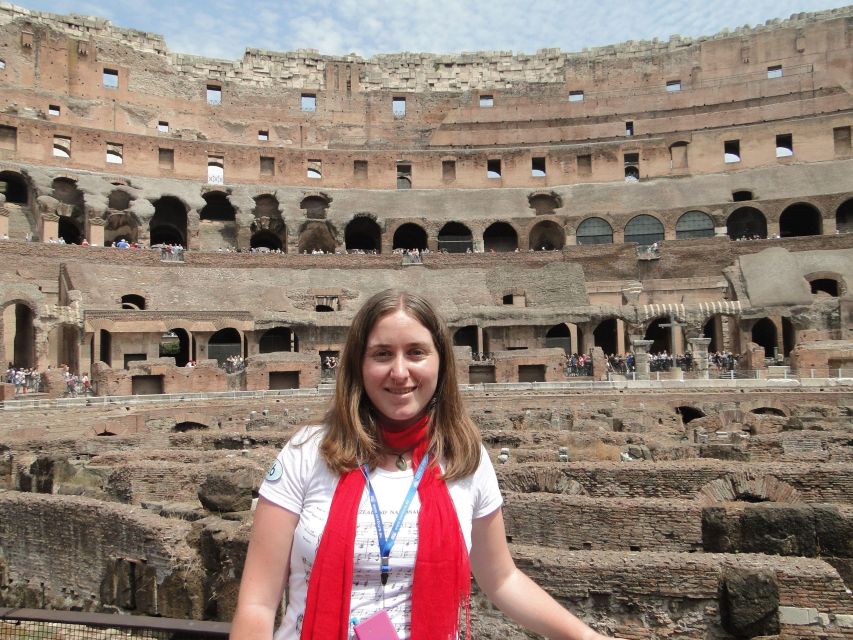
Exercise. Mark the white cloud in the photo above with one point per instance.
(224, 28)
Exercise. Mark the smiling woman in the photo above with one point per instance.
(398, 453)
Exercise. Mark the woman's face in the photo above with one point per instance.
(400, 368)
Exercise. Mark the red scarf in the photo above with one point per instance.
(441, 583)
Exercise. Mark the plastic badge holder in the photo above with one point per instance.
(376, 627)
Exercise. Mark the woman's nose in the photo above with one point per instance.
(399, 368)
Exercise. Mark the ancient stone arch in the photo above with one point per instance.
(749, 487)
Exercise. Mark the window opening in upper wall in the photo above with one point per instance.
(314, 169)
(537, 167)
(841, 140)
(741, 196)
(61, 147)
(166, 158)
(263, 135)
(216, 169)
(731, 151)
(398, 107)
(673, 85)
(115, 153)
(629, 128)
(493, 169)
(775, 71)
(308, 101)
(448, 170)
(487, 101)
(404, 175)
(585, 165)
(214, 94)
(632, 167)
(784, 145)
(267, 166)
(163, 126)
(110, 79)
(53, 110)
(575, 96)
(359, 169)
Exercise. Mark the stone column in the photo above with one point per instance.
(95, 232)
(49, 227)
(699, 347)
(479, 339)
(4, 217)
(641, 358)
(620, 335)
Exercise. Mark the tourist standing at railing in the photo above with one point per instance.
(397, 451)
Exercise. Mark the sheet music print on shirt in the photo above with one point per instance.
(391, 488)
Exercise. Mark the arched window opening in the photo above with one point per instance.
(266, 206)
(265, 239)
(16, 191)
(69, 232)
(175, 343)
(605, 336)
(223, 344)
(410, 236)
(800, 220)
(544, 203)
(632, 174)
(825, 285)
(133, 301)
(644, 230)
(746, 223)
(363, 234)
(789, 336)
(764, 335)
(694, 224)
(466, 337)
(218, 207)
(547, 236)
(455, 237)
(121, 225)
(768, 411)
(169, 223)
(689, 414)
(500, 237)
(712, 329)
(278, 339)
(315, 207)
(183, 427)
(316, 237)
(19, 332)
(844, 217)
(559, 336)
(595, 231)
(678, 155)
(119, 200)
(659, 335)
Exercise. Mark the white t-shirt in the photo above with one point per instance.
(302, 483)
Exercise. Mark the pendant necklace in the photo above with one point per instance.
(401, 463)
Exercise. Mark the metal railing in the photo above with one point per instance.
(25, 624)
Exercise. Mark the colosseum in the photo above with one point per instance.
(644, 252)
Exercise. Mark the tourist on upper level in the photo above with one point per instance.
(399, 451)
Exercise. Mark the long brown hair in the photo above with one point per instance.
(352, 436)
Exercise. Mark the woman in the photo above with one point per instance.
(398, 463)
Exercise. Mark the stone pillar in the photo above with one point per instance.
(773, 229)
(49, 227)
(620, 336)
(587, 341)
(641, 358)
(479, 339)
(95, 232)
(4, 217)
(699, 347)
(677, 339)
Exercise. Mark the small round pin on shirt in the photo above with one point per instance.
(275, 471)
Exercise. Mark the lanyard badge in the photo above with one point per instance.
(386, 544)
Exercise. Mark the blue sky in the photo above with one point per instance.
(224, 28)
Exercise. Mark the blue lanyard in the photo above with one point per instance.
(385, 545)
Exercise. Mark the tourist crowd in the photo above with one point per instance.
(26, 380)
